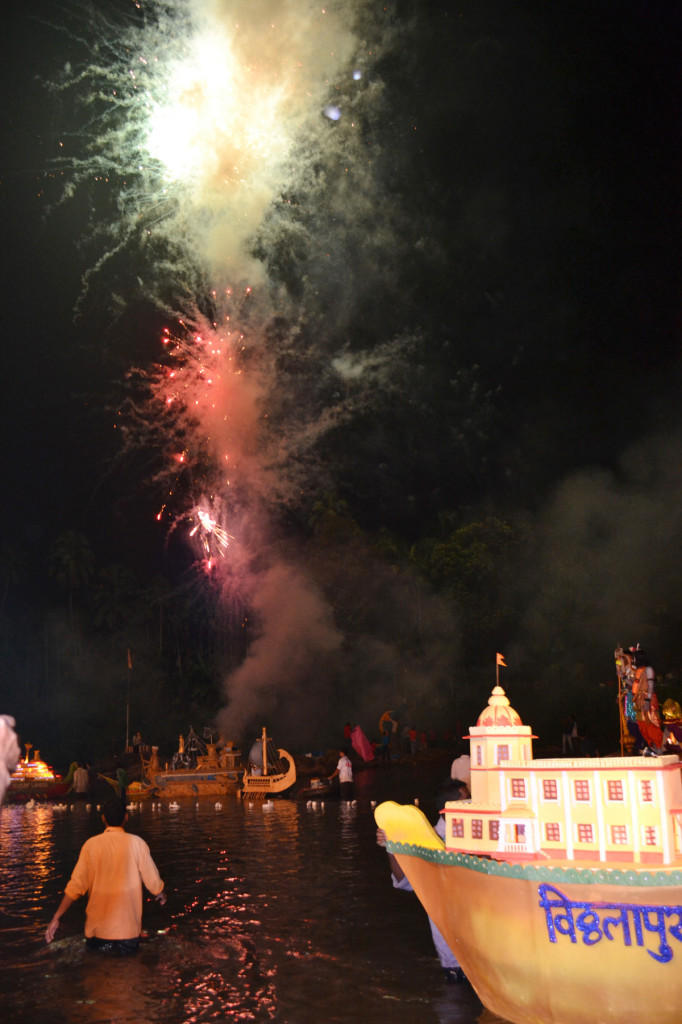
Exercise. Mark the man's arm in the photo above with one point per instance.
(149, 873)
(396, 869)
(51, 929)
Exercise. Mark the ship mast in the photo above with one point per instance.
(265, 751)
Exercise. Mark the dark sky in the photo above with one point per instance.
(546, 165)
(528, 160)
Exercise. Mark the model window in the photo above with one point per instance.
(502, 753)
(619, 835)
(457, 828)
(650, 837)
(549, 789)
(553, 832)
(494, 829)
(518, 788)
(519, 833)
(614, 788)
(582, 789)
(584, 833)
(646, 790)
(476, 828)
(479, 754)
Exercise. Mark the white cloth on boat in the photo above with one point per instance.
(461, 769)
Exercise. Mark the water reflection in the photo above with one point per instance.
(280, 913)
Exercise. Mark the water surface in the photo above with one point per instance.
(278, 912)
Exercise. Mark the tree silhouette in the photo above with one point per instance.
(115, 597)
(12, 566)
(72, 565)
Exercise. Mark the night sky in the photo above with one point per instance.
(466, 304)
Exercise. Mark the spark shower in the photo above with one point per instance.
(227, 146)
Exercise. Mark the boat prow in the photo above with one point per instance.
(558, 885)
(543, 944)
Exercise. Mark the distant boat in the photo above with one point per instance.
(198, 768)
(316, 788)
(559, 883)
(269, 770)
(33, 779)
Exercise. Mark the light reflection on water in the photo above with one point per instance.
(283, 913)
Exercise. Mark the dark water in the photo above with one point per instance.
(275, 913)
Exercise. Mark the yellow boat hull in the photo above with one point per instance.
(194, 784)
(548, 944)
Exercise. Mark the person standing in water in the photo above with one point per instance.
(344, 770)
(451, 789)
(112, 868)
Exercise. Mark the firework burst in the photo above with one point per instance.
(197, 125)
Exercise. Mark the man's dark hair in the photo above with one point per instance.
(450, 789)
(114, 812)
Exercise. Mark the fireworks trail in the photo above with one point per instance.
(193, 119)
(224, 146)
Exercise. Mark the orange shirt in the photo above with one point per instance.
(111, 869)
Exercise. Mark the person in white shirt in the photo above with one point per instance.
(81, 781)
(344, 770)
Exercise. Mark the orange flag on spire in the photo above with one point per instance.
(501, 661)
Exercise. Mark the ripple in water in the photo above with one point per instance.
(285, 914)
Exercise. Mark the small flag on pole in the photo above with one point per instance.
(501, 661)
(130, 660)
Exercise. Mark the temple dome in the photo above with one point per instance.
(499, 711)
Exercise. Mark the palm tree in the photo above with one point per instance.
(115, 597)
(158, 595)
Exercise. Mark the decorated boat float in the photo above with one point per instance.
(269, 771)
(559, 883)
(33, 779)
(200, 767)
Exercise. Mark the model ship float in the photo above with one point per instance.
(559, 883)
(208, 766)
(269, 771)
(33, 779)
(212, 766)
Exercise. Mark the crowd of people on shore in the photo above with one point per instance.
(395, 740)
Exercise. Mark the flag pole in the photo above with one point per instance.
(130, 666)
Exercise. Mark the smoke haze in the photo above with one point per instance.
(405, 266)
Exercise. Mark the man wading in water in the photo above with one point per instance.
(111, 869)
